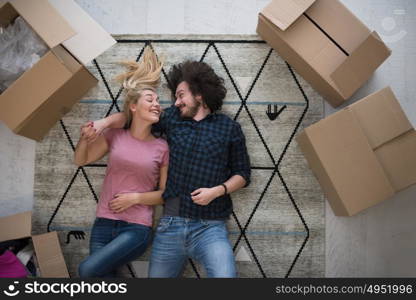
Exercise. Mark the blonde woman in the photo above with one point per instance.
(136, 173)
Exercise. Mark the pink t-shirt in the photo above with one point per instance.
(133, 167)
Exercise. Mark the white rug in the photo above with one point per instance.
(281, 213)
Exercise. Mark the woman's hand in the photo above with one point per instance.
(204, 196)
(87, 133)
(123, 201)
(97, 129)
(100, 125)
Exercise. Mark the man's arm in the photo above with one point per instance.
(239, 164)
(239, 160)
(88, 152)
(233, 184)
(204, 196)
(117, 120)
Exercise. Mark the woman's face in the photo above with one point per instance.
(147, 107)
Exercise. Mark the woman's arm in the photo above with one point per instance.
(88, 152)
(155, 198)
(123, 201)
(116, 120)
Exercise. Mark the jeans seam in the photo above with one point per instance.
(165, 226)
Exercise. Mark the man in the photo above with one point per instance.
(208, 161)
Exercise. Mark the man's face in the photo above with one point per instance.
(186, 102)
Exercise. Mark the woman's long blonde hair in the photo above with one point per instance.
(140, 76)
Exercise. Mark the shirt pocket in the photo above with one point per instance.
(214, 148)
(180, 136)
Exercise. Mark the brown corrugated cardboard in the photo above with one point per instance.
(357, 158)
(283, 13)
(360, 65)
(16, 226)
(51, 261)
(381, 117)
(21, 100)
(67, 83)
(47, 249)
(42, 17)
(91, 39)
(335, 19)
(398, 160)
(7, 13)
(327, 45)
(46, 92)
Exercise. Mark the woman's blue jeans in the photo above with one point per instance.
(113, 243)
(205, 241)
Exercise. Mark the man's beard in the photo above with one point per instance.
(191, 111)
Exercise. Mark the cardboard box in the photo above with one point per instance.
(47, 249)
(325, 43)
(362, 154)
(47, 91)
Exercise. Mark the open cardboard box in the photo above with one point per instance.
(47, 91)
(325, 43)
(362, 154)
(47, 249)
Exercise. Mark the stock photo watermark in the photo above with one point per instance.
(71, 289)
(393, 34)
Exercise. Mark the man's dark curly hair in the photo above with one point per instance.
(202, 80)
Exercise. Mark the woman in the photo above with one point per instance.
(135, 176)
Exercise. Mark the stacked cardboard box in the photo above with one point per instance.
(362, 154)
(325, 43)
(47, 91)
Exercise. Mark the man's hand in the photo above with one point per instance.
(100, 125)
(123, 201)
(97, 129)
(88, 132)
(204, 196)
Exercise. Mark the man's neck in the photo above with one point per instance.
(202, 113)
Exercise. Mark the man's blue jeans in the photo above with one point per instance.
(205, 241)
(113, 243)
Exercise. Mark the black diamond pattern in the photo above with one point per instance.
(211, 44)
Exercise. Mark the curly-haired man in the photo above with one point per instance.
(208, 161)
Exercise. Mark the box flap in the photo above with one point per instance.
(349, 161)
(360, 65)
(336, 20)
(16, 226)
(49, 255)
(294, 46)
(283, 13)
(399, 160)
(320, 173)
(60, 103)
(91, 39)
(37, 84)
(45, 20)
(381, 117)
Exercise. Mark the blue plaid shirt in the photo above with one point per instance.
(203, 153)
